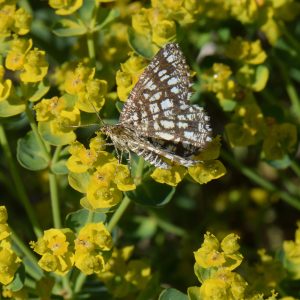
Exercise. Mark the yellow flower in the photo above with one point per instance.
(92, 98)
(90, 246)
(60, 112)
(140, 22)
(56, 248)
(89, 263)
(218, 80)
(121, 276)
(207, 171)
(171, 176)
(76, 81)
(102, 192)
(81, 159)
(93, 236)
(223, 285)
(123, 179)
(246, 51)
(9, 263)
(97, 143)
(246, 11)
(35, 66)
(229, 244)
(65, 7)
(15, 58)
(3, 214)
(209, 255)
(164, 32)
(22, 22)
(6, 19)
(15, 295)
(129, 74)
(4, 231)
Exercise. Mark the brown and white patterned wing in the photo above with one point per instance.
(166, 77)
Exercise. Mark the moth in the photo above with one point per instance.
(157, 121)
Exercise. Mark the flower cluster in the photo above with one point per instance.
(214, 267)
(291, 252)
(208, 169)
(65, 7)
(57, 118)
(122, 276)
(31, 63)
(248, 125)
(90, 92)
(98, 174)
(61, 249)
(129, 74)
(13, 20)
(9, 261)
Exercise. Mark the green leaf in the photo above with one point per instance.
(76, 220)
(59, 139)
(172, 294)
(18, 281)
(151, 193)
(86, 204)
(227, 104)
(29, 153)
(193, 293)
(107, 16)
(203, 273)
(280, 164)
(87, 10)
(11, 107)
(66, 27)
(151, 290)
(140, 44)
(38, 91)
(60, 168)
(79, 181)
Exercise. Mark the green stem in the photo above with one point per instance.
(39, 140)
(54, 191)
(67, 287)
(295, 168)
(18, 183)
(290, 89)
(294, 42)
(91, 47)
(54, 200)
(254, 177)
(118, 214)
(138, 176)
(32, 267)
(79, 282)
(56, 155)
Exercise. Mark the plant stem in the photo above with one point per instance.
(67, 287)
(18, 183)
(33, 126)
(290, 89)
(56, 155)
(32, 268)
(254, 177)
(295, 168)
(91, 47)
(54, 200)
(118, 214)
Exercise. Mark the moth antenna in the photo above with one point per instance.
(97, 113)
